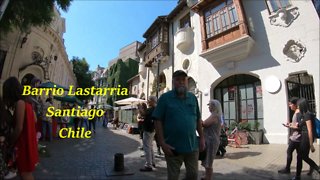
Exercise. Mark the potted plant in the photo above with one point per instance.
(256, 134)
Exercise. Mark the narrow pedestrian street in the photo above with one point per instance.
(93, 159)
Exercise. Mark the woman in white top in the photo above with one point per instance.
(212, 129)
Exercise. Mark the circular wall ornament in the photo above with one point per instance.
(272, 84)
(186, 64)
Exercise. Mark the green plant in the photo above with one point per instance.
(244, 126)
(241, 126)
(256, 125)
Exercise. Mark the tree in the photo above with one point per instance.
(83, 75)
(23, 14)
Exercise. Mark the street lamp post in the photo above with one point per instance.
(158, 79)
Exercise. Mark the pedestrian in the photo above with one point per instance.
(148, 134)
(105, 119)
(211, 130)
(307, 138)
(92, 122)
(223, 139)
(23, 137)
(177, 120)
(142, 108)
(295, 135)
(47, 121)
(84, 119)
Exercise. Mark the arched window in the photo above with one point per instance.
(241, 99)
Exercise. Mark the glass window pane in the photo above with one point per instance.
(226, 110)
(217, 94)
(243, 110)
(225, 94)
(232, 110)
(250, 109)
(274, 5)
(284, 3)
(208, 29)
(249, 91)
(234, 16)
(242, 90)
(224, 20)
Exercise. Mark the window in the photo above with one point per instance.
(220, 18)
(185, 21)
(241, 99)
(275, 5)
(154, 41)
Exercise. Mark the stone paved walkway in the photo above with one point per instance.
(93, 159)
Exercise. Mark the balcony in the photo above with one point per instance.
(161, 50)
(235, 50)
(184, 38)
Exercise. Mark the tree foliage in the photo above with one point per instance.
(83, 75)
(23, 14)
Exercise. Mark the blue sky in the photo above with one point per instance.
(97, 30)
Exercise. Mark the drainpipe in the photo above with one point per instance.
(148, 80)
(158, 72)
(172, 51)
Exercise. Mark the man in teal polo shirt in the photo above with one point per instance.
(177, 120)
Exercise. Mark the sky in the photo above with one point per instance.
(97, 30)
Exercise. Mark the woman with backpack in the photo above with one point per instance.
(307, 138)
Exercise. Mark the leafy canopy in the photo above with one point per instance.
(83, 75)
(23, 14)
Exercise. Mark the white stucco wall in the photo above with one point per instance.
(266, 58)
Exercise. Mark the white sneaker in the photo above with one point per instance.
(10, 175)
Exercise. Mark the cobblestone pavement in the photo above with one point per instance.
(93, 159)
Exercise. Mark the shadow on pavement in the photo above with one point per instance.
(239, 155)
(83, 158)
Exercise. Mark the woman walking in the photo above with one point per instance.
(212, 129)
(307, 138)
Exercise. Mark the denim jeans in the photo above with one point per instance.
(46, 125)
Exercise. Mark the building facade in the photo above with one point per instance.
(40, 53)
(251, 55)
(118, 72)
(100, 81)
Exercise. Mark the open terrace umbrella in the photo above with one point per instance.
(50, 84)
(130, 101)
(70, 99)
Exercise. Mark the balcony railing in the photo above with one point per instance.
(184, 38)
(161, 50)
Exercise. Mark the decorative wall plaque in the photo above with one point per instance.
(284, 17)
(294, 50)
